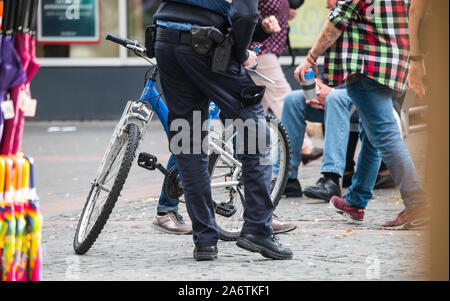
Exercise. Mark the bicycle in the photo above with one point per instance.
(224, 165)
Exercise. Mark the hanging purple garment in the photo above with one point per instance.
(11, 71)
(33, 66)
(1, 41)
(13, 128)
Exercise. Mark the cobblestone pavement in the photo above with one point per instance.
(325, 246)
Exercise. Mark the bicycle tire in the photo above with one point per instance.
(131, 145)
(283, 177)
(287, 161)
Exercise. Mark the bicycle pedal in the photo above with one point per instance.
(225, 209)
(147, 161)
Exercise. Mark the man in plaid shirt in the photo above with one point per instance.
(374, 62)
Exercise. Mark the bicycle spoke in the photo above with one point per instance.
(112, 175)
(102, 201)
(116, 167)
(86, 222)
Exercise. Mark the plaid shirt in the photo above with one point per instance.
(375, 42)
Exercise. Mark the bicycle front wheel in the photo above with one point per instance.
(105, 191)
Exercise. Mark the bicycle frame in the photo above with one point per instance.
(151, 97)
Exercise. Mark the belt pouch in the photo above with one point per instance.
(222, 54)
(251, 96)
(150, 39)
(202, 44)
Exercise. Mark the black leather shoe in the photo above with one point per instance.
(325, 189)
(293, 189)
(205, 253)
(267, 245)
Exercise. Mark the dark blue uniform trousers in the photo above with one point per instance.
(188, 85)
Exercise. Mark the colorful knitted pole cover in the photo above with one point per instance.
(20, 221)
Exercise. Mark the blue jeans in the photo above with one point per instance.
(337, 129)
(381, 140)
(295, 114)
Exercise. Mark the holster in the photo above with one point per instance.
(202, 43)
(252, 95)
(209, 41)
(150, 39)
(222, 54)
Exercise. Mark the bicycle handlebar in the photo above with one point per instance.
(121, 41)
(135, 46)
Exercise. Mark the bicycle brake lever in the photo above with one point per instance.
(135, 48)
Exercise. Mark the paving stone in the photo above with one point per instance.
(326, 247)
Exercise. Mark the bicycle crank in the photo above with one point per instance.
(173, 188)
(150, 162)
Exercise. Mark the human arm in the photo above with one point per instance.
(417, 71)
(265, 28)
(341, 16)
(323, 90)
(244, 21)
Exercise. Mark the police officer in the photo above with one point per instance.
(186, 48)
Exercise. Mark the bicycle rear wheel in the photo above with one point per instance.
(102, 197)
(281, 150)
(222, 170)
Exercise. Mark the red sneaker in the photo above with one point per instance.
(408, 219)
(354, 215)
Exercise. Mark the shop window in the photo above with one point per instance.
(108, 21)
(304, 28)
(140, 15)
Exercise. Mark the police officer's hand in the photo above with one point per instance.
(271, 25)
(251, 59)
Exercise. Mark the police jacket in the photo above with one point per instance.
(244, 19)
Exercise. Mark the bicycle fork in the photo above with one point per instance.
(135, 112)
